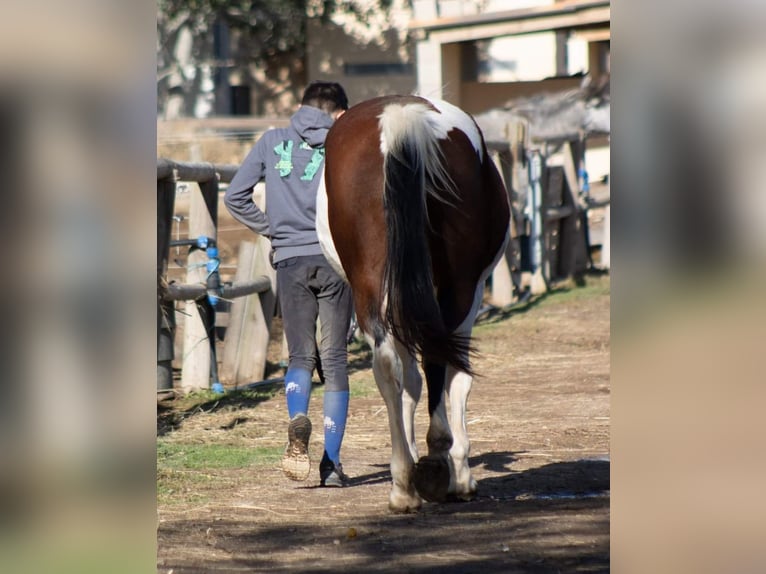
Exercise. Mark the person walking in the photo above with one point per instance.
(290, 161)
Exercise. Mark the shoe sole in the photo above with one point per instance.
(296, 464)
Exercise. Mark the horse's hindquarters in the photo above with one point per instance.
(416, 213)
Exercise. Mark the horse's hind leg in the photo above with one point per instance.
(458, 386)
(463, 485)
(432, 473)
(411, 391)
(387, 368)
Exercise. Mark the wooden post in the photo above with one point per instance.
(247, 337)
(537, 284)
(197, 360)
(166, 192)
(573, 239)
(606, 252)
(502, 292)
(518, 136)
(198, 354)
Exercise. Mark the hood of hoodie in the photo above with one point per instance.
(312, 124)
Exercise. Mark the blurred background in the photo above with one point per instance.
(93, 92)
(687, 302)
(77, 101)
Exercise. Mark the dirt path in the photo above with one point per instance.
(538, 418)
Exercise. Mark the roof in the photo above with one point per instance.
(567, 14)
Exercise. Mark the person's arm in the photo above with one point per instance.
(239, 195)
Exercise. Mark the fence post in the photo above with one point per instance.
(538, 284)
(502, 292)
(199, 349)
(166, 192)
(247, 337)
(574, 251)
(606, 251)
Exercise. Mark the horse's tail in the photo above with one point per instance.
(413, 167)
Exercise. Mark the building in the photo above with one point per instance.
(477, 55)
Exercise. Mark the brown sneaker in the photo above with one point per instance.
(295, 463)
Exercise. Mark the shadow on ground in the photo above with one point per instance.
(568, 480)
(507, 529)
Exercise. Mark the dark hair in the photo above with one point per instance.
(327, 96)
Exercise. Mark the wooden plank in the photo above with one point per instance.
(502, 291)
(186, 292)
(553, 213)
(538, 282)
(573, 254)
(164, 170)
(166, 194)
(593, 34)
(537, 14)
(240, 308)
(268, 302)
(510, 158)
(189, 127)
(198, 172)
(166, 191)
(511, 27)
(197, 356)
(570, 173)
(606, 244)
(209, 190)
(248, 334)
(518, 135)
(582, 255)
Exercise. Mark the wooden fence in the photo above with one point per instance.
(549, 239)
(253, 290)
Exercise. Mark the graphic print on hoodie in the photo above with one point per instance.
(289, 160)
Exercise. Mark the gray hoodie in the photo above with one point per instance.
(291, 161)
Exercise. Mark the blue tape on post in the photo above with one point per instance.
(213, 280)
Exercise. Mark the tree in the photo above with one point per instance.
(261, 41)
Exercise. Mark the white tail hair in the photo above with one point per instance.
(422, 127)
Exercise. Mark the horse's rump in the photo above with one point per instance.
(417, 215)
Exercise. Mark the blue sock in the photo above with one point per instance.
(297, 391)
(335, 411)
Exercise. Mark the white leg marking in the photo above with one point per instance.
(412, 388)
(459, 386)
(387, 368)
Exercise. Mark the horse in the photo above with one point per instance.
(413, 213)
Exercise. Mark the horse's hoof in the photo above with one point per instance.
(404, 503)
(431, 478)
(461, 496)
(464, 492)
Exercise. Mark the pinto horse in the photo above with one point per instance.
(414, 214)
